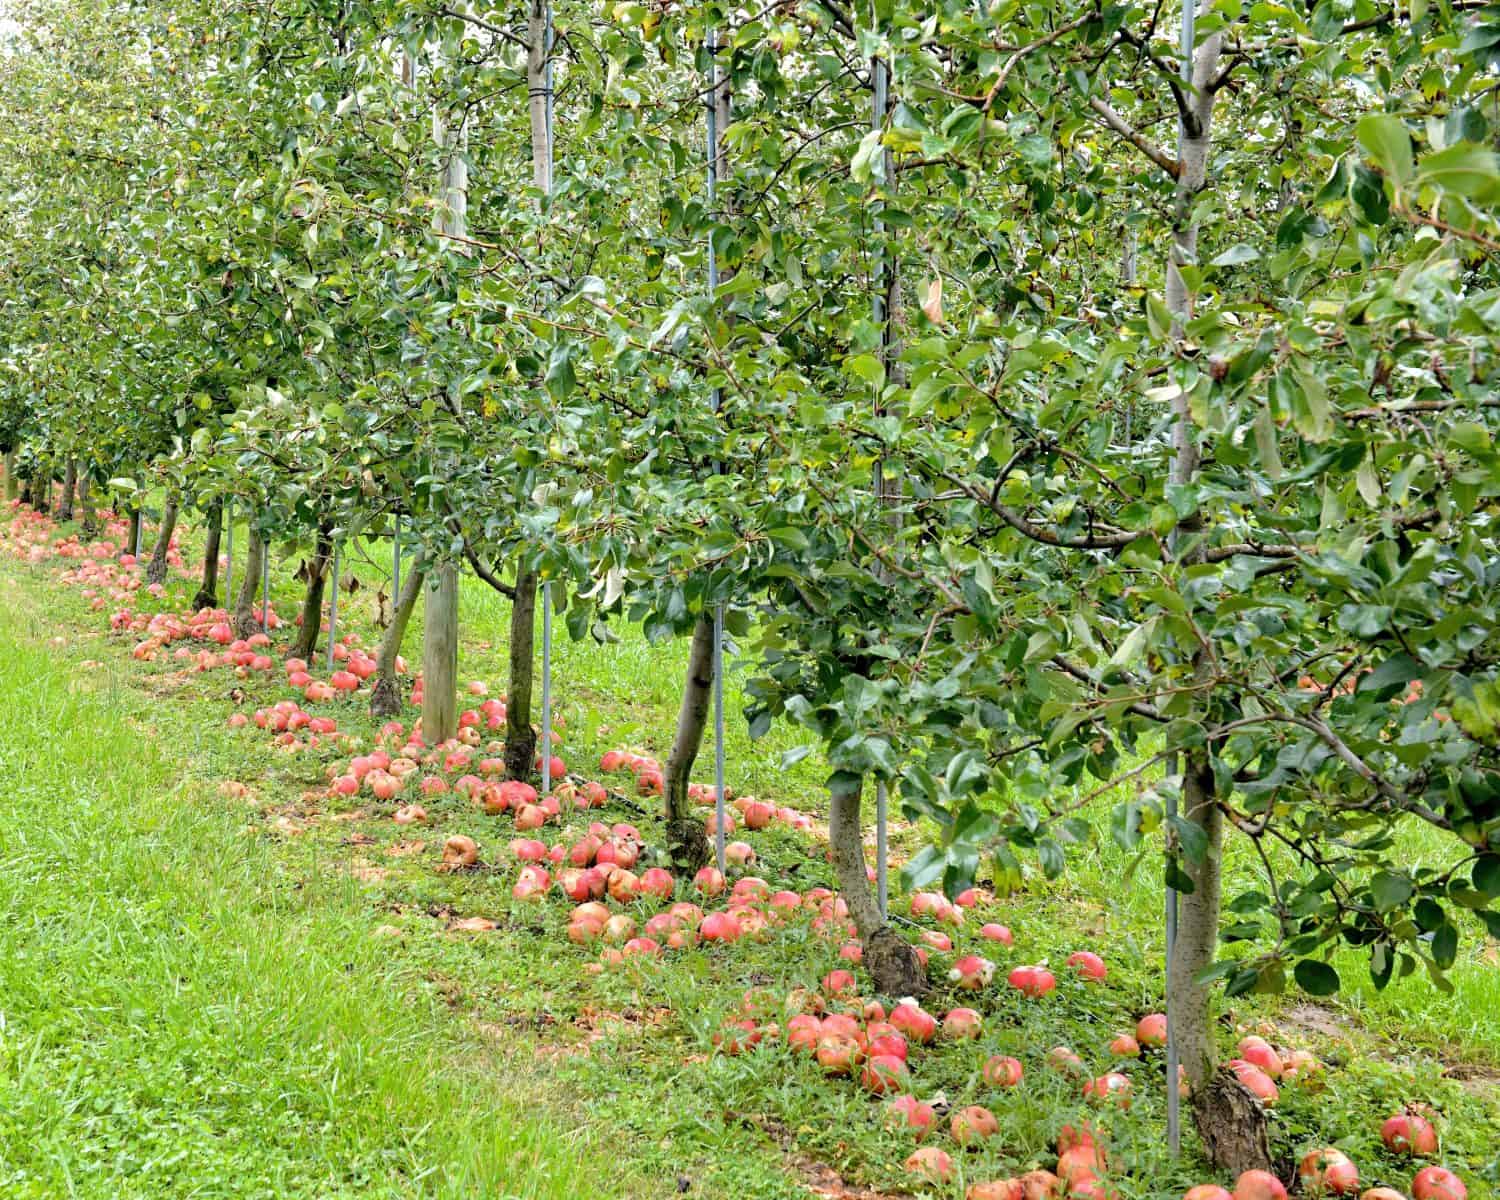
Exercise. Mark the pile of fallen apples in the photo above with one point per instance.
(605, 865)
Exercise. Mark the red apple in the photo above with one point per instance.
(907, 1112)
(1032, 981)
(1438, 1183)
(1407, 1133)
(1327, 1172)
(915, 1023)
(1002, 1071)
(1259, 1185)
(962, 1023)
(973, 1124)
(971, 973)
(1088, 965)
(1111, 1088)
(1151, 1030)
(931, 1164)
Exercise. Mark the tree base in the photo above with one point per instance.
(1232, 1125)
(386, 697)
(205, 600)
(688, 846)
(520, 753)
(893, 965)
(247, 627)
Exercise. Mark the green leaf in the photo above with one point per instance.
(1316, 978)
(1390, 890)
(1445, 945)
(1463, 170)
(1158, 317)
(1239, 253)
(1386, 140)
(1486, 874)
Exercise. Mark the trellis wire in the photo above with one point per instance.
(717, 397)
(1174, 1100)
(880, 86)
(547, 587)
(333, 606)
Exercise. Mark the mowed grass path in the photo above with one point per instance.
(177, 1016)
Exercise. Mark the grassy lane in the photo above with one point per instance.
(175, 1020)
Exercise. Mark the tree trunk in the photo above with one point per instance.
(41, 488)
(86, 503)
(12, 484)
(246, 619)
(208, 589)
(70, 481)
(385, 696)
(312, 600)
(28, 490)
(440, 658)
(1197, 926)
(1232, 1124)
(686, 840)
(536, 85)
(520, 737)
(890, 959)
(1231, 1129)
(156, 569)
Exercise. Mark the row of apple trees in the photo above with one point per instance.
(1086, 438)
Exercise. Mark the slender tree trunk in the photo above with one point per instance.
(686, 838)
(306, 644)
(12, 484)
(246, 615)
(536, 84)
(208, 589)
(70, 481)
(520, 737)
(440, 616)
(90, 524)
(134, 535)
(41, 489)
(1197, 926)
(385, 696)
(890, 959)
(440, 658)
(156, 569)
(1231, 1124)
(687, 841)
(28, 490)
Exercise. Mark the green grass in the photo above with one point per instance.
(627, 1053)
(177, 1016)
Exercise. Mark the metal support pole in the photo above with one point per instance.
(546, 687)
(880, 78)
(547, 587)
(333, 605)
(228, 550)
(717, 399)
(719, 802)
(265, 585)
